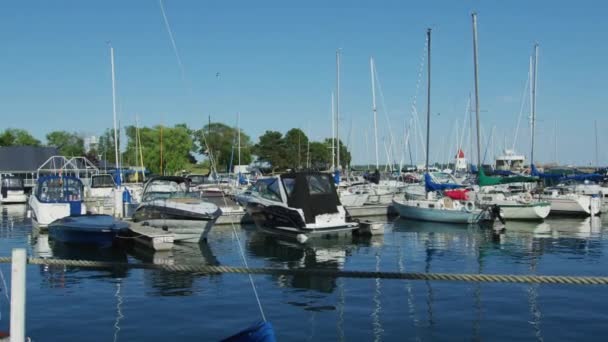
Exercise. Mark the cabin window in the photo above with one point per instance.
(289, 184)
(60, 190)
(102, 182)
(269, 189)
(318, 184)
(12, 183)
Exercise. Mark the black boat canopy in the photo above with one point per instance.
(313, 192)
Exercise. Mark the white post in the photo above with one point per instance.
(333, 133)
(371, 66)
(338, 164)
(18, 269)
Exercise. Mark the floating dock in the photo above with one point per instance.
(371, 210)
(153, 238)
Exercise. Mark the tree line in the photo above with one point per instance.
(163, 149)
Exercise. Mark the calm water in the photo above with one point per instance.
(100, 305)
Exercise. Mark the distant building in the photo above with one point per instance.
(90, 143)
(24, 161)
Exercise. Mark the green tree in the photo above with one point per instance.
(296, 143)
(68, 144)
(271, 149)
(177, 145)
(17, 137)
(320, 155)
(220, 142)
(105, 146)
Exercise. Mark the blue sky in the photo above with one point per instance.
(276, 61)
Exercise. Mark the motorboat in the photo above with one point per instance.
(12, 190)
(98, 230)
(55, 197)
(168, 204)
(564, 201)
(299, 205)
(522, 206)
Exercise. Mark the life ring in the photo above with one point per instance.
(526, 197)
(469, 206)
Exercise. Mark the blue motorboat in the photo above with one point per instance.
(99, 230)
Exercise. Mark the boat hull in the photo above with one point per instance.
(98, 230)
(436, 215)
(581, 206)
(191, 231)
(525, 212)
(287, 223)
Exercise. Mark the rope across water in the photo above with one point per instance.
(491, 278)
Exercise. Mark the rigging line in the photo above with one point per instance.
(385, 110)
(211, 159)
(172, 39)
(521, 110)
(414, 105)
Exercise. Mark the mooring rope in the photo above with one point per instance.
(489, 278)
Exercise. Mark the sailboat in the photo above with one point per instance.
(438, 208)
(564, 200)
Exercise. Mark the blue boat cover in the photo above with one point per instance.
(431, 186)
(563, 177)
(337, 177)
(503, 173)
(259, 332)
(90, 223)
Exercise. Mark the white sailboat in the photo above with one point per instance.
(434, 209)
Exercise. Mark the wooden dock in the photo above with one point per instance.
(371, 210)
(153, 238)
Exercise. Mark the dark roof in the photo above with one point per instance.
(24, 158)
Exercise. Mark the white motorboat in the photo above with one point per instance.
(565, 202)
(56, 197)
(12, 190)
(353, 197)
(299, 205)
(516, 206)
(168, 204)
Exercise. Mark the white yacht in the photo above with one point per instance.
(12, 190)
(564, 201)
(56, 197)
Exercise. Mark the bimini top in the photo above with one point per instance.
(313, 192)
(59, 189)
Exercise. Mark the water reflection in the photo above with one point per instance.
(169, 283)
(321, 253)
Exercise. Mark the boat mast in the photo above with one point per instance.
(333, 133)
(534, 75)
(372, 67)
(338, 108)
(238, 128)
(428, 99)
(114, 113)
(474, 16)
(596, 150)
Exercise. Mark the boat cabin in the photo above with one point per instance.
(12, 190)
(165, 187)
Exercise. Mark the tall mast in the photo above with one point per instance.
(338, 107)
(428, 99)
(333, 133)
(114, 111)
(596, 150)
(534, 74)
(238, 128)
(555, 142)
(474, 15)
(372, 68)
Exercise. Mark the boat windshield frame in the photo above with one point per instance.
(12, 183)
(104, 184)
(59, 189)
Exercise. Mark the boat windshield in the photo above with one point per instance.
(163, 189)
(269, 189)
(197, 179)
(58, 190)
(318, 184)
(12, 183)
(104, 181)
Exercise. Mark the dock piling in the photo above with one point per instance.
(18, 269)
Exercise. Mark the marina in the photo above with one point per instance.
(168, 172)
(151, 304)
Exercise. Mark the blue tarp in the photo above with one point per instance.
(564, 177)
(431, 186)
